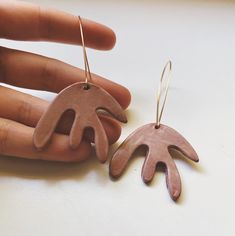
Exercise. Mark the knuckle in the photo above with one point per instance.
(4, 133)
(49, 74)
(24, 111)
(45, 23)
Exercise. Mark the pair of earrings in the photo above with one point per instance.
(85, 99)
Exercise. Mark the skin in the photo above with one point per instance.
(20, 112)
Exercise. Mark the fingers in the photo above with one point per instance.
(149, 168)
(32, 71)
(26, 109)
(182, 145)
(17, 140)
(101, 142)
(26, 21)
(125, 151)
(121, 157)
(173, 180)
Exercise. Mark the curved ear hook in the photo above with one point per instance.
(165, 76)
(86, 63)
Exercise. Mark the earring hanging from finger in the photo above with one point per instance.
(85, 99)
(158, 139)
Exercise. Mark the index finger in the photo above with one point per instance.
(27, 21)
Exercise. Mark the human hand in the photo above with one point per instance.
(20, 112)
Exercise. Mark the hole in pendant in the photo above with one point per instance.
(157, 126)
(86, 87)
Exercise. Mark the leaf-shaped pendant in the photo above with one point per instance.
(84, 99)
(158, 141)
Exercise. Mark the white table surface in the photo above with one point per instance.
(41, 198)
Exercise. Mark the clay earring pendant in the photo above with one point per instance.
(158, 139)
(85, 99)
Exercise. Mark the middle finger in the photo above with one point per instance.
(33, 71)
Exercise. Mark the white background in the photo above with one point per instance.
(40, 198)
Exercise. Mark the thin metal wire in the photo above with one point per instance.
(160, 108)
(86, 63)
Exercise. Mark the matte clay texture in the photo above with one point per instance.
(85, 102)
(158, 141)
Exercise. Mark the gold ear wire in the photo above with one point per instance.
(165, 75)
(86, 63)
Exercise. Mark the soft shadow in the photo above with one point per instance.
(52, 171)
(179, 157)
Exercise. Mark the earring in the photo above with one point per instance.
(84, 98)
(159, 139)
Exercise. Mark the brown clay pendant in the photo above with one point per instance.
(84, 99)
(159, 139)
